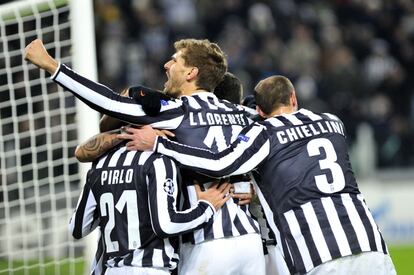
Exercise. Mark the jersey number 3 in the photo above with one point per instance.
(128, 199)
(338, 178)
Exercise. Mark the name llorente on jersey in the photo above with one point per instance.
(309, 130)
(118, 176)
(213, 119)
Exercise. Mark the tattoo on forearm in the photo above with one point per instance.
(98, 145)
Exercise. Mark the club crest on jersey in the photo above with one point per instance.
(164, 102)
(243, 138)
(169, 187)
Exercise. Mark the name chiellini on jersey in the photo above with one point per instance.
(132, 196)
(316, 209)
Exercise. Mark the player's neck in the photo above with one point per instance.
(190, 89)
(283, 110)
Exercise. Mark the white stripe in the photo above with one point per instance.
(88, 215)
(218, 225)
(275, 122)
(169, 250)
(254, 160)
(137, 258)
(316, 232)
(377, 235)
(115, 157)
(129, 157)
(268, 213)
(311, 115)
(157, 259)
(204, 97)
(293, 119)
(168, 124)
(143, 157)
(220, 105)
(101, 162)
(299, 239)
(244, 220)
(163, 214)
(92, 96)
(193, 102)
(331, 116)
(356, 222)
(336, 226)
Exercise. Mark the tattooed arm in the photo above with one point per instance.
(97, 145)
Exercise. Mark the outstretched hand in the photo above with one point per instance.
(36, 53)
(216, 194)
(140, 139)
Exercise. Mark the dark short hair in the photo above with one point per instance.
(273, 92)
(230, 88)
(207, 57)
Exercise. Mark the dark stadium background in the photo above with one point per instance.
(352, 58)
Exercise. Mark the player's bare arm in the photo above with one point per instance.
(37, 54)
(97, 145)
(142, 139)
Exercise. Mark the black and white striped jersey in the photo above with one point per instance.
(131, 196)
(200, 120)
(307, 187)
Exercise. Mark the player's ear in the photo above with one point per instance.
(192, 74)
(293, 100)
(260, 112)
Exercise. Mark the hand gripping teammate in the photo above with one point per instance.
(132, 197)
(197, 118)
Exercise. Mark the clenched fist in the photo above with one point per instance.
(36, 53)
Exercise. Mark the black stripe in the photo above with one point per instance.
(365, 221)
(326, 229)
(147, 257)
(80, 211)
(239, 226)
(251, 219)
(295, 264)
(306, 232)
(226, 221)
(208, 230)
(304, 118)
(346, 224)
(128, 258)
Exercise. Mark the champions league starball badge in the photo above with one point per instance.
(169, 187)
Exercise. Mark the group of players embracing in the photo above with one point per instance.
(179, 199)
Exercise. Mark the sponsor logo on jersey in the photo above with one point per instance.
(169, 187)
(243, 138)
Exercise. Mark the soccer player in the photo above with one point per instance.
(197, 118)
(307, 188)
(132, 196)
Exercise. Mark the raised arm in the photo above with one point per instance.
(163, 190)
(102, 98)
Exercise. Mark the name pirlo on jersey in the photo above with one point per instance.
(309, 130)
(214, 119)
(119, 176)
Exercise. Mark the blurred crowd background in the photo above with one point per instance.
(354, 58)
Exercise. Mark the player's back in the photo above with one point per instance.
(119, 190)
(209, 122)
(213, 124)
(307, 179)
